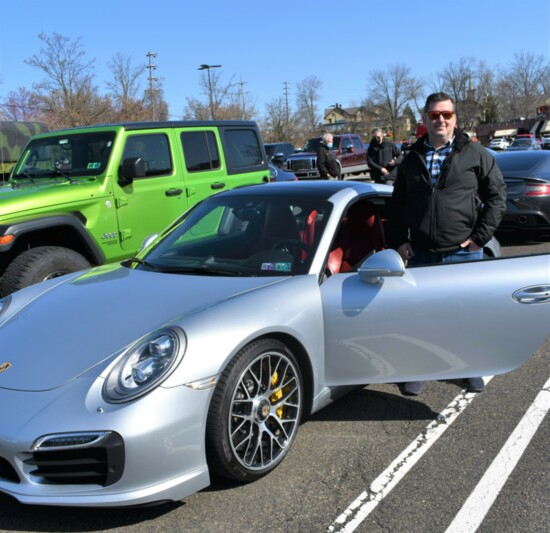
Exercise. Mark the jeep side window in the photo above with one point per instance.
(200, 150)
(154, 149)
(242, 149)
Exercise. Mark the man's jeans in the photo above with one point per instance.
(426, 257)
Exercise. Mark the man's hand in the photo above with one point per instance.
(384, 171)
(471, 245)
(405, 251)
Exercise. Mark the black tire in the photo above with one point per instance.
(40, 264)
(255, 411)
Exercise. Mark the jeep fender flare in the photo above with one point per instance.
(25, 227)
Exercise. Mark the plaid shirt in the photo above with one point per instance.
(435, 157)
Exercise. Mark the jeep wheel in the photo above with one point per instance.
(40, 264)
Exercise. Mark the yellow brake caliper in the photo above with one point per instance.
(276, 396)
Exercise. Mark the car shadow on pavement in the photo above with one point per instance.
(15, 516)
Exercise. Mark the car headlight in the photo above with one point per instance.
(4, 303)
(144, 366)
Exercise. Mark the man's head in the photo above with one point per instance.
(439, 118)
(327, 139)
(378, 134)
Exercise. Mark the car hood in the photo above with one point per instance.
(16, 198)
(53, 334)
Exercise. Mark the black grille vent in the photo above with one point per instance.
(7, 472)
(301, 164)
(102, 464)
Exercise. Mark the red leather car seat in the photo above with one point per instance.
(361, 233)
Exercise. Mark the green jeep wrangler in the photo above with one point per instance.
(91, 195)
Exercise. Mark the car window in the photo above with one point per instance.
(200, 150)
(249, 236)
(357, 144)
(243, 148)
(87, 153)
(154, 149)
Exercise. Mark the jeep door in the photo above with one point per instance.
(148, 204)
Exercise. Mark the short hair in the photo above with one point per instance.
(437, 97)
(326, 137)
(375, 130)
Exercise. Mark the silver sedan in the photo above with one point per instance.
(133, 383)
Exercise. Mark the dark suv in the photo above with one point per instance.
(278, 153)
(348, 149)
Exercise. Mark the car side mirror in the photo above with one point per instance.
(132, 167)
(386, 263)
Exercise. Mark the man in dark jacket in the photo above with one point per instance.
(382, 157)
(449, 197)
(328, 167)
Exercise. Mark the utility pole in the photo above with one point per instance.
(152, 98)
(286, 101)
(242, 97)
(207, 68)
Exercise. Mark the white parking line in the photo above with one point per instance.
(475, 508)
(367, 501)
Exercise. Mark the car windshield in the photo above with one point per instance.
(79, 154)
(533, 163)
(243, 236)
(312, 145)
(522, 142)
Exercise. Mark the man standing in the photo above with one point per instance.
(448, 197)
(328, 167)
(382, 157)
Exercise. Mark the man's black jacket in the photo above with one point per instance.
(378, 157)
(467, 201)
(326, 163)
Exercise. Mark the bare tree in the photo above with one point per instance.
(521, 86)
(23, 105)
(67, 90)
(392, 91)
(307, 104)
(125, 88)
(275, 124)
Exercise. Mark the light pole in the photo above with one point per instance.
(207, 68)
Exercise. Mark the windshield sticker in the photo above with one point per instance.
(93, 166)
(279, 267)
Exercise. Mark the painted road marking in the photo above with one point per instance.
(475, 508)
(368, 500)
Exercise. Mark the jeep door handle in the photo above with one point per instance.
(218, 185)
(173, 192)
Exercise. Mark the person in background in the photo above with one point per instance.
(448, 200)
(328, 167)
(383, 157)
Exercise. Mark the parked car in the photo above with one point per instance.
(203, 354)
(523, 143)
(278, 174)
(545, 143)
(348, 149)
(499, 143)
(89, 196)
(277, 153)
(527, 177)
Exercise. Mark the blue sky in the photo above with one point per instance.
(268, 43)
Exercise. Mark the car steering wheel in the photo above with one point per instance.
(286, 245)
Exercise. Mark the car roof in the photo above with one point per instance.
(318, 188)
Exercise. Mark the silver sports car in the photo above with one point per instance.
(129, 384)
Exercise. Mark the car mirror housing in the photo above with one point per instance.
(132, 167)
(382, 264)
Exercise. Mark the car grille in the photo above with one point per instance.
(99, 462)
(7, 472)
(301, 164)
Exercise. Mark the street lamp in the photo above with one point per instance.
(207, 68)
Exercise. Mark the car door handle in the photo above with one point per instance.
(218, 185)
(173, 192)
(533, 295)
